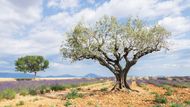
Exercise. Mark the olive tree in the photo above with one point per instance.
(31, 64)
(116, 46)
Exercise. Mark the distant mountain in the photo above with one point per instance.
(23, 75)
(64, 75)
(15, 75)
(91, 75)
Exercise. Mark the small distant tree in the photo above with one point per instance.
(31, 64)
(116, 46)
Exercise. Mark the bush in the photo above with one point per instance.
(44, 89)
(89, 103)
(73, 94)
(36, 99)
(187, 102)
(8, 94)
(160, 99)
(144, 86)
(176, 105)
(154, 93)
(20, 103)
(24, 92)
(32, 92)
(1, 96)
(67, 103)
(104, 89)
(157, 106)
(57, 87)
(169, 90)
(8, 106)
(71, 85)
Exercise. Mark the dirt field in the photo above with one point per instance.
(98, 95)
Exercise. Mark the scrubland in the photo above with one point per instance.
(153, 92)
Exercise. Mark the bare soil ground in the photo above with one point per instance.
(93, 97)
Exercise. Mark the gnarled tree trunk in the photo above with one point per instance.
(121, 79)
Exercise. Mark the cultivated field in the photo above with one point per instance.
(153, 92)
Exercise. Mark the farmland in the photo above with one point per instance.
(152, 92)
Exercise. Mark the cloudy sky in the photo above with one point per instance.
(37, 27)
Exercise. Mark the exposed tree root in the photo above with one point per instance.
(124, 87)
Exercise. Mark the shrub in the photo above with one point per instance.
(143, 85)
(160, 99)
(8, 94)
(157, 105)
(89, 103)
(8, 106)
(154, 93)
(57, 87)
(73, 94)
(169, 90)
(32, 92)
(1, 96)
(187, 102)
(168, 93)
(44, 89)
(36, 99)
(24, 92)
(20, 103)
(79, 88)
(104, 89)
(67, 103)
(71, 85)
(176, 105)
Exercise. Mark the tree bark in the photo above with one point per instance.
(121, 80)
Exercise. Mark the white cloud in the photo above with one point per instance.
(176, 25)
(63, 4)
(60, 66)
(23, 30)
(46, 42)
(143, 8)
(4, 62)
(15, 14)
(179, 44)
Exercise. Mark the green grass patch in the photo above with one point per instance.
(176, 105)
(169, 90)
(158, 105)
(154, 93)
(73, 94)
(32, 92)
(67, 103)
(182, 85)
(57, 87)
(35, 99)
(104, 89)
(144, 86)
(7, 106)
(20, 103)
(187, 102)
(8, 94)
(23, 92)
(160, 99)
(44, 89)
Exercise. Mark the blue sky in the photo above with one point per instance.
(37, 27)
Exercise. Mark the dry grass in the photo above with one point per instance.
(93, 97)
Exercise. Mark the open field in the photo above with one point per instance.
(153, 92)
